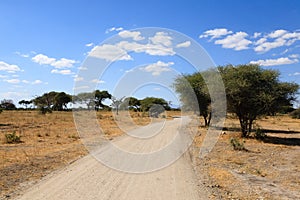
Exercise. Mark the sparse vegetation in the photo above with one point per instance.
(12, 138)
(260, 134)
(237, 145)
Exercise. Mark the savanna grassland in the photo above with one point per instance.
(268, 168)
(47, 142)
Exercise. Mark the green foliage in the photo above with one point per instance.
(25, 103)
(12, 138)
(1, 110)
(237, 145)
(7, 104)
(131, 103)
(93, 99)
(260, 134)
(295, 114)
(252, 92)
(154, 105)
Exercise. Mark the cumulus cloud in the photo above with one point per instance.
(215, 33)
(256, 34)
(260, 42)
(157, 68)
(63, 63)
(274, 62)
(109, 52)
(63, 72)
(135, 35)
(236, 41)
(8, 67)
(276, 39)
(37, 82)
(277, 33)
(161, 38)
(45, 60)
(159, 45)
(183, 44)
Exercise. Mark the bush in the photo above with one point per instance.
(1, 110)
(260, 134)
(295, 114)
(12, 138)
(237, 145)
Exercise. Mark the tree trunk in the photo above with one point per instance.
(205, 121)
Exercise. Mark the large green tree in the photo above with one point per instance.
(252, 91)
(154, 105)
(52, 101)
(194, 94)
(100, 96)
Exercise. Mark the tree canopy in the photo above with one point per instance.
(251, 91)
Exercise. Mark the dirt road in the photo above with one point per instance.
(89, 179)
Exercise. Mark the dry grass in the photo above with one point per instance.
(270, 169)
(49, 142)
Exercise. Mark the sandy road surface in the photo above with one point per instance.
(88, 179)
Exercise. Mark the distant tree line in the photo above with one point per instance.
(59, 101)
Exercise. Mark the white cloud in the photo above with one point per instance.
(43, 59)
(151, 49)
(97, 81)
(22, 55)
(158, 67)
(37, 82)
(109, 52)
(273, 62)
(276, 39)
(89, 44)
(215, 33)
(8, 68)
(256, 35)
(25, 81)
(294, 56)
(277, 33)
(135, 35)
(63, 72)
(236, 41)
(267, 46)
(161, 38)
(114, 29)
(156, 89)
(61, 63)
(183, 44)
(295, 74)
(13, 81)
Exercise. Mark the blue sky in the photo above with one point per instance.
(44, 43)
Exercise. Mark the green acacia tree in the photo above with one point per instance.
(252, 91)
(192, 85)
